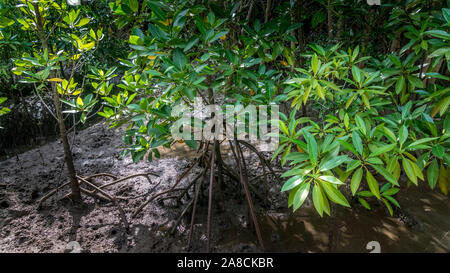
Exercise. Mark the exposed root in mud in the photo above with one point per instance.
(210, 159)
(98, 192)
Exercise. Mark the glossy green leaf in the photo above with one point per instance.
(292, 183)
(300, 195)
(331, 179)
(389, 177)
(356, 180)
(433, 173)
(357, 142)
(313, 150)
(333, 163)
(335, 195)
(409, 170)
(318, 199)
(373, 185)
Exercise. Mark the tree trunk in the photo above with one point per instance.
(268, 8)
(330, 21)
(76, 194)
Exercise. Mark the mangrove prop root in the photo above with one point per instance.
(138, 210)
(142, 206)
(244, 180)
(101, 174)
(211, 180)
(51, 193)
(113, 199)
(261, 157)
(181, 216)
(197, 191)
(185, 190)
(146, 175)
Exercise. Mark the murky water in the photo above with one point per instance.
(305, 231)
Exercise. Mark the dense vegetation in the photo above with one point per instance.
(364, 88)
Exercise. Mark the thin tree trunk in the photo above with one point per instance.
(293, 35)
(340, 27)
(330, 21)
(250, 10)
(268, 8)
(76, 194)
(301, 43)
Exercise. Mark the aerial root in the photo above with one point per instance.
(197, 190)
(181, 216)
(98, 192)
(113, 199)
(146, 175)
(210, 162)
(185, 190)
(172, 189)
(239, 156)
(51, 193)
(211, 180)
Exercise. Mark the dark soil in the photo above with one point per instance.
(421, 226)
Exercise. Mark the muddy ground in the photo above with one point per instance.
(422, 225)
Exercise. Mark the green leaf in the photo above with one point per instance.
(391, 191)
(318, 199)
(402, 134)
(392, 200)
(382, 150)
(439, 34)
(333, 163)
(433, 173)
(409, 169)
(83, 22)
(300, 195)
(438, 151)
(292, 182)
(356, 74)
(374, 161)
(389, 134)
(360, 123)
(335, 195)
(373, 184)
(218, 35)
(386, 174)
(356, 139)
(353, 165)
(356, 180)
(155, 7)
(4, 22)
(191, 43)
(439, 52)
(389, 207)
(446, 14)
(364, 203)
(331, 179)
(312, 147)
(179, 58)
(347, 146)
